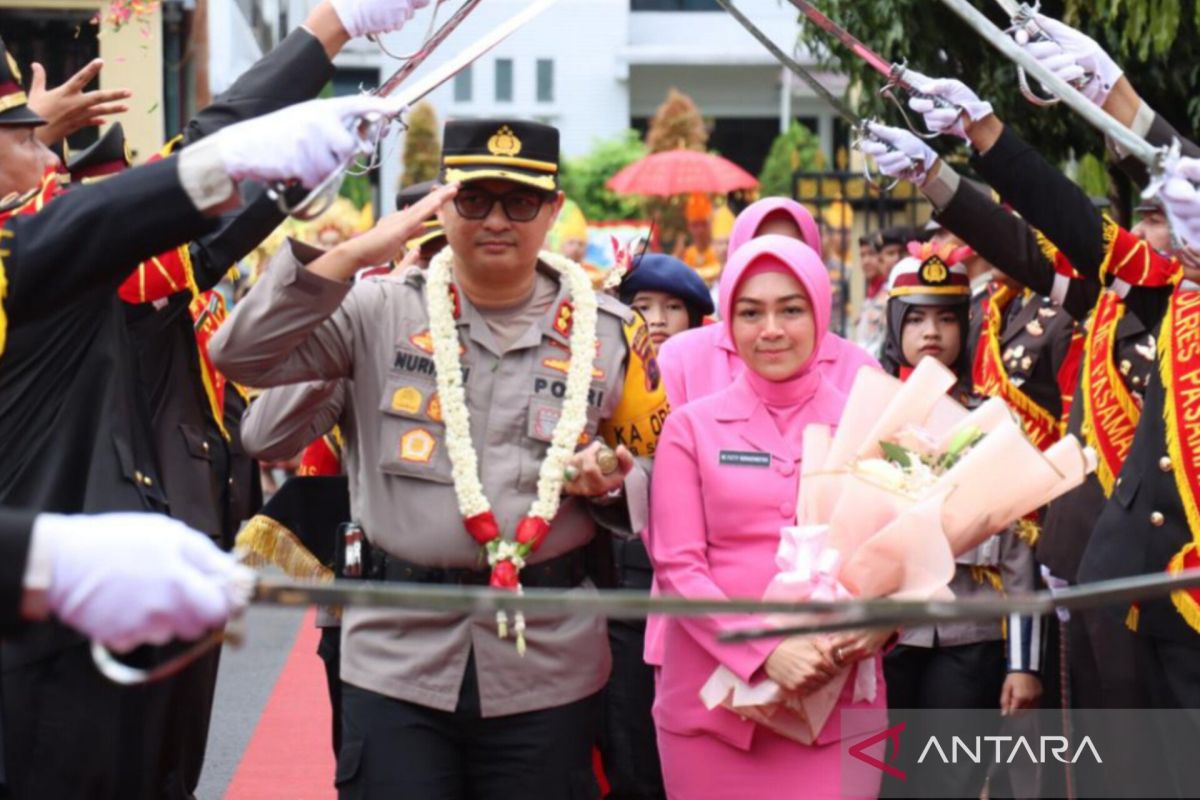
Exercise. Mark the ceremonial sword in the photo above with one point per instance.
(374, 128)
(857, 123)
(1024, 25)
(894, 72)
(820, 616)
(1157, 159)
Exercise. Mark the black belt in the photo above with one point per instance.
(564, 572)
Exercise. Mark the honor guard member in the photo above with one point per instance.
(72, 408)
(1148, 523)
(88, 572)
(460, 377)
(203, 476)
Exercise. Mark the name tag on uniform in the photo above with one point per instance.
(744, 458)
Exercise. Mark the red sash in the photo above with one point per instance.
(208, 312)
(1110, 411)
(1134, 261)
(29, 205)
(1179, 367)
(991, 376)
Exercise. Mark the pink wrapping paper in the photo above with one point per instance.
(856, 537)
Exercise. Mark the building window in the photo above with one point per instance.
(545, 80)
(504, 80)
(674, 5)
(462, 86)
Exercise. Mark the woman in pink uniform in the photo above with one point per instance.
(702, 361)
(726, 478)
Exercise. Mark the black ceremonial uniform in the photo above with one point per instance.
(1142, 526)
(210, 483)
(75, 428)
(1099, 654)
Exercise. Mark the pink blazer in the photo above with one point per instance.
(725, 481)
(702, 361)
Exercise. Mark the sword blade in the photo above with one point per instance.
(841, 108)
(468, 55)
(410, 64)
(1130, 141)
(876, 61)
(1076, 598)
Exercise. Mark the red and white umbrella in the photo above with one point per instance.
(681, 171)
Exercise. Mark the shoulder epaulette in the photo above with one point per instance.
(606, 302)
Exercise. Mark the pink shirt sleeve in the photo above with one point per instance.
(670, 364)
(679, 550)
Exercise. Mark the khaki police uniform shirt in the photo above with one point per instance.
(294, 326)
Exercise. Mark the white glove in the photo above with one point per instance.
(1073, 57)
(304, 142)
(363, 17)
(898, 152)
(1181, 196)
(129, 579)
(958, 101)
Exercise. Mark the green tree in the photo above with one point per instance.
(1155, 41)
(798, 148)
(422, 149)
(583, 178)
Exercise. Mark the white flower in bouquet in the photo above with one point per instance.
(911, 463)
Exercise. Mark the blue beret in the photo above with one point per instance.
(656, 272)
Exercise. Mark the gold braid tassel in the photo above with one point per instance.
(264, 541)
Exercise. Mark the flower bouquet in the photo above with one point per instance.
(909, 481)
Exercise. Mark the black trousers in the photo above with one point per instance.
(962, 677)
(395, 750)
(330, 651)
(627, 738)
(69, 733)
(1172, 674)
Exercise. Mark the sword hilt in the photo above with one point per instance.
(895, 81)
(1025, 29)
(371, 128)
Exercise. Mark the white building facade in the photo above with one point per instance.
(592, 68)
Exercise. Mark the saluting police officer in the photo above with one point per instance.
(436, 704)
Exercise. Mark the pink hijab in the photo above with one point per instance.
(782, 254)
(746, 226)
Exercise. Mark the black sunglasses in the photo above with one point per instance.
(519, 205)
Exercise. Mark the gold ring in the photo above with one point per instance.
(607, 461)
(837, 656)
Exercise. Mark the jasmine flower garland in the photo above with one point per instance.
(505, 557)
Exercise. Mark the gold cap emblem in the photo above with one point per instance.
(12, 66)
(504, 143)
(934, 271)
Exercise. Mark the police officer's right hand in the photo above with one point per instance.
(128, 579)
(305, 142)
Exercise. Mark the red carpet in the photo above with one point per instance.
(289, 757)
